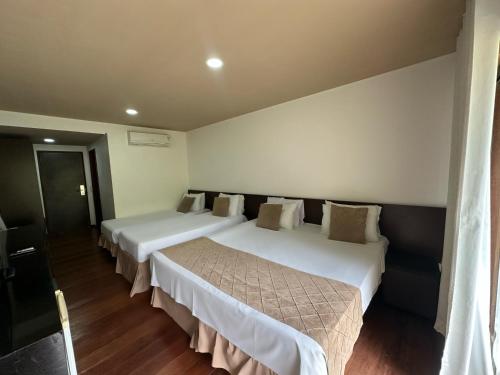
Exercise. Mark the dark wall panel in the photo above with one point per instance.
(20, 201)
(410, 229)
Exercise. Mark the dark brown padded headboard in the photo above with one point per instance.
(413, 229)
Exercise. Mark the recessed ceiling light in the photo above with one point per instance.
(49, 140)
(131, 111)
(215, 63)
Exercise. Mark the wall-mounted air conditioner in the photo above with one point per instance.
(148, 139)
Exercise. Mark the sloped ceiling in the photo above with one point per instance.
(92, 59)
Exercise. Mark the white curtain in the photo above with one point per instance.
(463, 313)
(454, 184)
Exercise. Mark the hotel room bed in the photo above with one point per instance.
(246, 339)
(136, 243)
(110, 229)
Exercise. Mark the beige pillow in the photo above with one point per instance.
(186, 204)
(372, 231)
(269, 216)
(348, 224)
(221, 207)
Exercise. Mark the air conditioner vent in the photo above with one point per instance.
(148, 139)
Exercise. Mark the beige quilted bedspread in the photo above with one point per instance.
(328, 311)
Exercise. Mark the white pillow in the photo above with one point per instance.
(299, 212)
(199, 201)
(371, 231)
(288, 215)
(236, 203)
(300, 209)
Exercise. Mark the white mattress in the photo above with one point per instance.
(276, 345)
(141, 240)
(110, 229)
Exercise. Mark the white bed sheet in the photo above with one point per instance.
(141, 240)
(275, 344)
(110, 229)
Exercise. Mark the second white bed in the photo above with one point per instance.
(142, 240)
(136, 243)
(111, 229)
(276, 345)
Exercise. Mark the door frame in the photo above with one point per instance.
(86, 168)
(94, 178)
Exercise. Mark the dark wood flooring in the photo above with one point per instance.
(116, 334)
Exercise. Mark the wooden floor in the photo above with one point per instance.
(116, 334)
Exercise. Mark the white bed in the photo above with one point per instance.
(140, 241)
(110, 229)
(278, 346)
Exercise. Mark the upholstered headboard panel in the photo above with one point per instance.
(413, 229)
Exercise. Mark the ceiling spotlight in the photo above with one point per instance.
(215, 63)
(49, 140)
(131, 112)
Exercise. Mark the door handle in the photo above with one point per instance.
(82, 189)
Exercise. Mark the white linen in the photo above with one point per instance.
(110, 229)
(275, 344)
(372, 231)
(141, 240)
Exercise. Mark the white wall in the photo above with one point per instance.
(104, 176)
(383, 139)
(145, 179)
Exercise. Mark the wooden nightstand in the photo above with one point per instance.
(411, 282)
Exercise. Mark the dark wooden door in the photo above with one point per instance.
(66, 204)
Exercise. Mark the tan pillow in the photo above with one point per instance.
(269, 216)
(348, 224)
(186, 204)
(221, 207)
